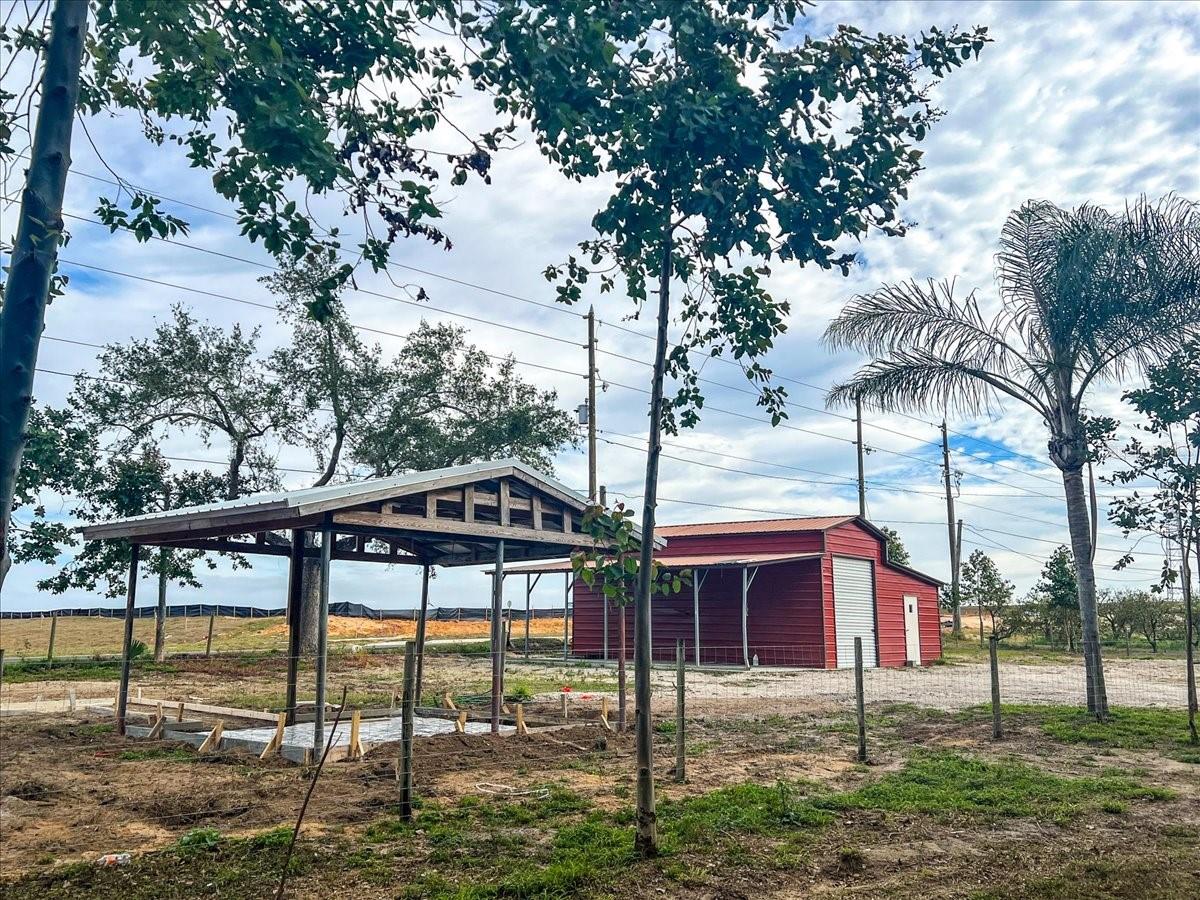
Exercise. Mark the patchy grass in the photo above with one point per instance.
(164, 754)
(20, 671)
(1127, 728)
(950, 783)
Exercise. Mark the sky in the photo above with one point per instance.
(1072, 103)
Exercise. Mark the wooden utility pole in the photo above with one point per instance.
(34, 253)
(53, 634)
(955, 541)
(858, 446)
(593, 489)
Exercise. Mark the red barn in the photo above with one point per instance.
(791, 592)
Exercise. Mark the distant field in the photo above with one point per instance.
(92, 636)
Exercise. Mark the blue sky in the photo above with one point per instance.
(1072, 102)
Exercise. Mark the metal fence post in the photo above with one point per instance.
(859, 701)
(997, 725)
(406, 731)
(680, 750)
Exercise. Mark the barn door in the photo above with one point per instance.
(912, 630)
(853, 609)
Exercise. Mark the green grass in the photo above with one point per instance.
(1127, 728)
(20, 671)
(165, 754)
(942, 783)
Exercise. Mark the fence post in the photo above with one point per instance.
(208, 643)
(406, 731)
(997, 726)
(50, 647)
(858, 700)
(680, 751)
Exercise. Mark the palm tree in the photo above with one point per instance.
(1086, 296)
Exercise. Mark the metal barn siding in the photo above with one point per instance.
(792, 615)
(891, 584)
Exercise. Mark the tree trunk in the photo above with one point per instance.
(39, 232)
(1189, 654)
(310, 601)
(646, 838)
(1079, 521)
(160, 613)
(233, 486)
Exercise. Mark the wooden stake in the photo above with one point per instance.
(156, 730)
(276, 742)
(50, 648)
(179, 713)
(859, 701)
(564, 695)
(448, 701)
(213, 741)
(208, 643)
(521, 729)
(460, 724)
(604, 714)
(355, 750)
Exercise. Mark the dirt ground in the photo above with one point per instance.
(71, 790)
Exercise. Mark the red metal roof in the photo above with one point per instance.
(688, 561)
(758, 526)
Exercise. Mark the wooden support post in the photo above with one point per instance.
(565, 699)
(130, 599)
(50, 646)
(604, 714)
(208, 642)
(213, 741)
(528, 599)
(604, 643)
(997, 725)
(179, 713)
(498, 630)
(521, 729)
(448, 701)
(322, 644)
(859, 701)
(460, 724)
(680, 734)
(422, 617)
(275, 744)
(408, 704)
(696, 580)
(295, 594)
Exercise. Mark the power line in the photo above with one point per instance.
(560, 309)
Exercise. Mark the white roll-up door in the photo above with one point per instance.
(853, 609)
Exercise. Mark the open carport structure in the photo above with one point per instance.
(478, 514)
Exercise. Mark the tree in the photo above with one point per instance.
(64, 457)
(283, 102)
(196, 377)
(896, 551)
(987, 590)
(727, 150)
(440, 402)
(1169, 458)
(1086, 296)
(1120, 611)
(1057, 594)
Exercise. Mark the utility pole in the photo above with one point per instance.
(858, 445)
(591, 404)
(953, 533)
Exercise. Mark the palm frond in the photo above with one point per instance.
(917, 379)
